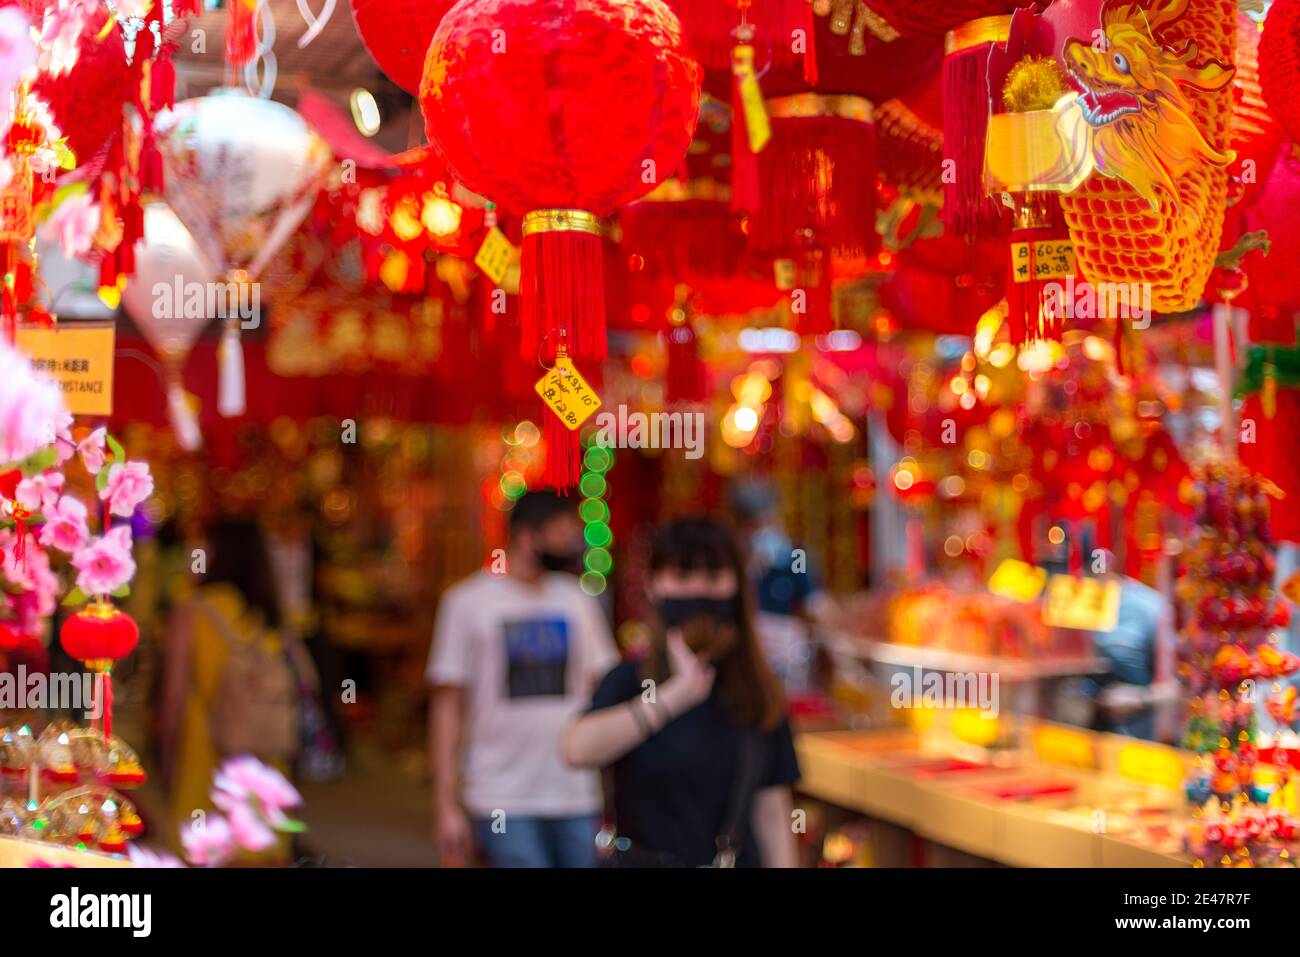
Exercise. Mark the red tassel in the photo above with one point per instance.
(563, 453)
(967, 210)
(1028, 316)
(746, 195)
(107, 687)
(241, 32)
(162, 81)
(810, 73)
(562, 289)
(819, 178)
(685, 377)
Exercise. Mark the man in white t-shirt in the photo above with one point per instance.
(515, 656)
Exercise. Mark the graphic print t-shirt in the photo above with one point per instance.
(528, 657)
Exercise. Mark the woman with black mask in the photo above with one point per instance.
(696, 734)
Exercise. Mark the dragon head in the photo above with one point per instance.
(1137, 114)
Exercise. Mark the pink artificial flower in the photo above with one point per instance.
(210, 843)
(247, 782)
(92, 450)
(64, 22)
(65, 525)
(129, 484)
(250, 831)
(35, 582)
(143, 857)
(17, 52)
(30, 407)
(40, 492)
(105, 565)
(64, 446)
(73, 223)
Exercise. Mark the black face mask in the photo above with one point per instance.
(675, 611)
(559, 561)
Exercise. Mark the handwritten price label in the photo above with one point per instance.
(493, 257)
(1043, 259)
(567, 393)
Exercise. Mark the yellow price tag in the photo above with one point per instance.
(1086, 604)
(1150, 765)
(1072, 749)
(493, 257)
(1018, 580)
(1042, 259)
(79, 357)
(757, 125)
(567, 393)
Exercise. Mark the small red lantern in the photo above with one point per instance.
(560, 111)
(396, 34)
(99, 635)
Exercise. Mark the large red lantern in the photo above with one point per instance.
(397, 34)
(560, 111)
(1279, 64)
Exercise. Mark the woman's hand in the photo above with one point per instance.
(452, 835)
(690, 679)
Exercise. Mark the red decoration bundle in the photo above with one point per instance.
(560, 111)
(397, 34)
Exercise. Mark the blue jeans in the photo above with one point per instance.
(538, 841)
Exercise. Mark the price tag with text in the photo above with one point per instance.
(1042, 259)
(567, 393)
(493, 257)
(1085, 604)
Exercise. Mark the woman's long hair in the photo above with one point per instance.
(749, 690)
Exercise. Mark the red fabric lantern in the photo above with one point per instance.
(100, 634)
(397, 34)
(560, 111)
(1256, 137)
(1279, 64)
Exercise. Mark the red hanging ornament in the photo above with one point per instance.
(396, 33)
(1279, 64)
(100, 635)
(241, 31)
(560, 111)
(968, 211)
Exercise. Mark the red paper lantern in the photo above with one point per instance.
(560, 111)
(1279, 64)
(99, 634)
(1256, 137)
(397, 34)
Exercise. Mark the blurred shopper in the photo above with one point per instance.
(229, 685)
(697, 736)
(791, 601)
(516, 652)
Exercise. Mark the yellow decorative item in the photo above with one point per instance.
(1156, 114)
(1035, 83)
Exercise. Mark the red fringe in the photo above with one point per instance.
(241, 32)
(746, 194)
(687, 241)
(562, 288)
(563, 453)
(810, 72)
(819, 174)
(162, 81)
(685, 379)
(1027, 319)
(968, 211)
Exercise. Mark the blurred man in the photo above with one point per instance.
(517, 650)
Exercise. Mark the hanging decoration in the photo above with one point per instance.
(1279, 65)
(242, 173)
(566, 158)
(397, 34)
(169, 258)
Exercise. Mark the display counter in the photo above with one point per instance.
(1064, 798)
(15, 852)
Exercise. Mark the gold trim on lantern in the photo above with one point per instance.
(673, 190)
(974, 32)
(804, 105)
(561, 221)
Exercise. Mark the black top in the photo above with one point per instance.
(672, 791)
